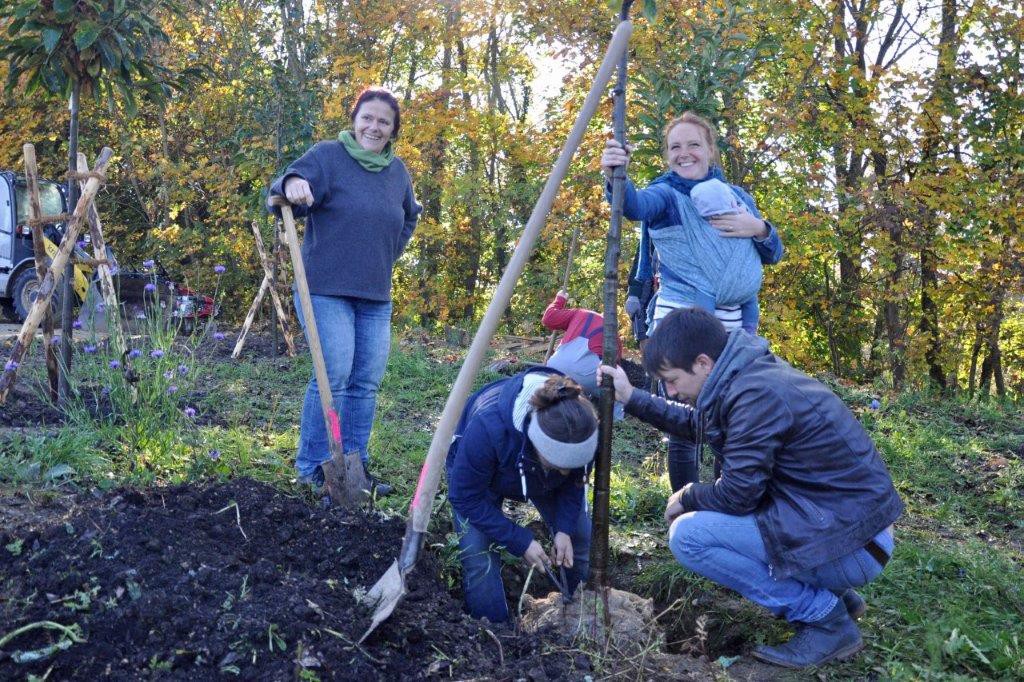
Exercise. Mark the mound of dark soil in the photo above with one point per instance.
(239, 581)
(25, 406)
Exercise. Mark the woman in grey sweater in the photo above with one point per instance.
(360, 212)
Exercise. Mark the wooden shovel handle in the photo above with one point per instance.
(331, 418)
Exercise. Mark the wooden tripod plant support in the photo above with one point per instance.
(268, 284)
(53, 274)
(36, 222)
(106, 279)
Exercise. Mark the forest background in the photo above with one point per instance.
(884, 138)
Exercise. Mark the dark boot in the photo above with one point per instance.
(855, 604)
(378, 488)
(834, 637)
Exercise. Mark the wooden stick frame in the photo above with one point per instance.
(266, 285)
(35, 214)
(53, 276)
(99, 250)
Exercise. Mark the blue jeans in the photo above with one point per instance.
(729, 551)
(481, 567)
(355, 334)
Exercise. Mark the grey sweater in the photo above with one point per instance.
(358, 225)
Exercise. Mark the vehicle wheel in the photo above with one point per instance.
(24, 294)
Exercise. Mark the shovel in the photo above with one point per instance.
(385, 595)
(344, 476)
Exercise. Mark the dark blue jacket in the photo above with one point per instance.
(792, 454)
(483, 469)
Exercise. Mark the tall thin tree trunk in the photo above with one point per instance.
(430, 245)
(475, 205)
(67, 310)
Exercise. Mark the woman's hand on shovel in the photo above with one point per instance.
(297, 191)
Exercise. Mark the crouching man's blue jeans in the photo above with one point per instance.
(729, 551)
(481, 566)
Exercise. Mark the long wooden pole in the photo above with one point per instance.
(426, 489)
(603, 463)
(35, 212)
(565, 285)
(53, 276)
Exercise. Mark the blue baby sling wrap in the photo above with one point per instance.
(696, 259)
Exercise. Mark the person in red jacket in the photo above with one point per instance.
(579, 352)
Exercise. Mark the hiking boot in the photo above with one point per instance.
(855, 604)
(315, 480)
(834, 637)
(378, 488)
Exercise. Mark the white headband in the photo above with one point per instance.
(558, 454)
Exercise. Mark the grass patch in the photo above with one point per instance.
(950, 604)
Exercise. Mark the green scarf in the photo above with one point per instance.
(371, 161)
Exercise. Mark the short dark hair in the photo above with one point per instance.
(680, 337)
(384, 95)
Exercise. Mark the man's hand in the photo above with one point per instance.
(536, 556)
(297, 191)
(674, 507)
(623, 389)
(632, 305)
(562, 550)
(562, 293)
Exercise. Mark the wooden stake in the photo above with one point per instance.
(35, 212)
(603, 462)
(53, 277)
